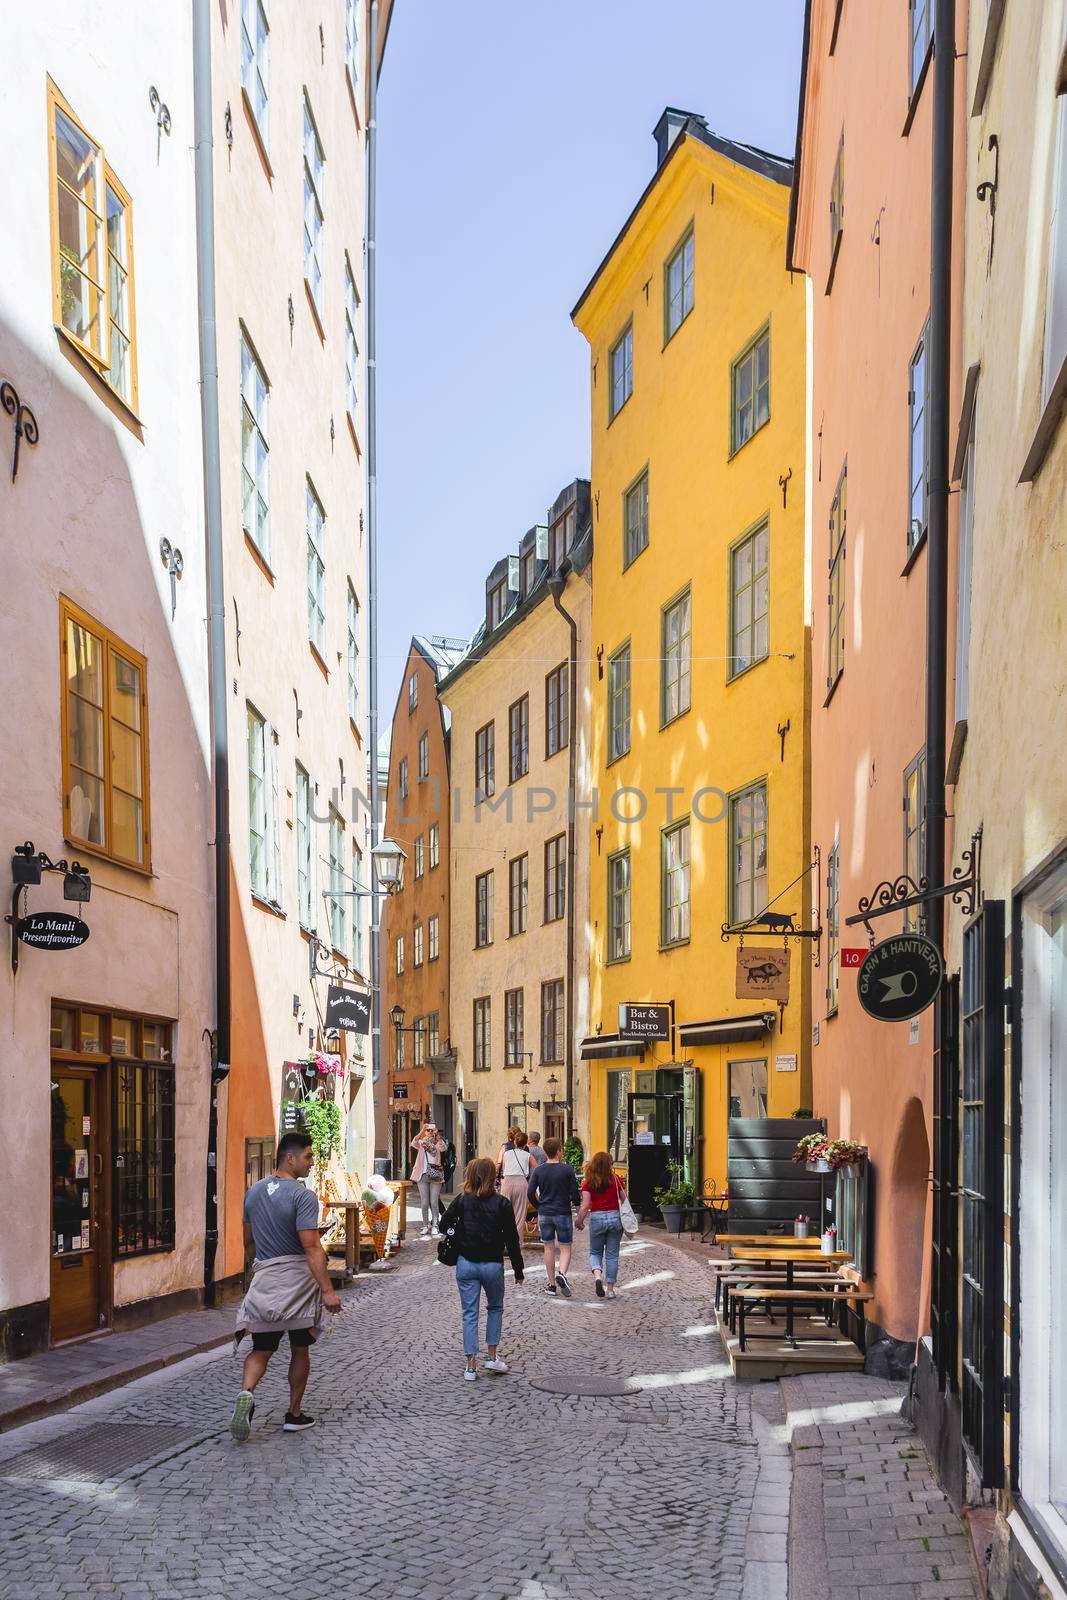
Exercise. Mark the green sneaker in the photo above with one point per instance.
(243, 1412)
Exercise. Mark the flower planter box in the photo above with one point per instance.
(820, 1164)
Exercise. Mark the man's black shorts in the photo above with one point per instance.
(299, 1339)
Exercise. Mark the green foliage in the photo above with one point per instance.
(322, 1120)
(574, 1153)
(679, 1192)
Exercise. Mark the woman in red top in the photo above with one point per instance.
(601, 1193)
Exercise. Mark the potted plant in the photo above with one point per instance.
(574, 1154)
(322, 1121)
(810, 1152)
(676, 1199)
(843, 1153)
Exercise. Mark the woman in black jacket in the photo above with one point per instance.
(486, 1228)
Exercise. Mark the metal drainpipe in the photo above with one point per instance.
(944, 68)
(556, 586)
(209, 424)
(372, 543)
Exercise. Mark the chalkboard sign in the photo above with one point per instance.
(290, 1117)
(347, 1009)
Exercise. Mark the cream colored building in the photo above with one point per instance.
(519, 703)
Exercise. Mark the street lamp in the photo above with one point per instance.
(388, 859)
(396, 1017)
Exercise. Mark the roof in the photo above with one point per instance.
(441, 651)
(778, 169)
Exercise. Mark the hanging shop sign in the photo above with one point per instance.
(400, 1091)
(854, 957)
(52, 930)
(762, 974)
(900, 977)
(347, 1009)
(644, 1022)
(289, 1118)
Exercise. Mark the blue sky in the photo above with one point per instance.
(516, 136)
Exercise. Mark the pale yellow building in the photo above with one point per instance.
(519, 704)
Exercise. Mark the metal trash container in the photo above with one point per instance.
(383, 1167)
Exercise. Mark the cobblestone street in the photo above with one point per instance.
(415, 1483)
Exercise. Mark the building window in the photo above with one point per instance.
(963, 574)
(677, 645)
(619, 906)
(678, 287)
(424, 757)
(635, 520)
(914, 830)
(621, 366)
(418, 1037)
(357, 915)
(483, 910)
(413, 691)
(529, 571)
(314, 173)
(518, 894)
(92, 251)
(837, 202)
(255, 62)
(748, 853)
(351, 342)
(561, 538)
(557, 726)
(833, 928)
(352, 624)
(416, 944)
(305, 853)
(618, 1090)
(514, 1033)
(433, 1034)
(264, 831)
(498, 604)
(750, 389)
(399, 957)
(338, 884)
(750, 590)
(485, 761)
(552, 1021)
(352, 46)
(921, 22)
(519, 739)
(420, 854)
(143, 1172)
(482, 1027)
(674, 914)
(851, 1189)
(748, 1088)
(1055, 352)
(619, 703)
(918, 396)
(259, 1160)
(399, 1049)
(555, 877)
(316, 571)
(402, 778)
(835, 635)
(435, 844)
(255, 476)
(104, 720)
(434, 937)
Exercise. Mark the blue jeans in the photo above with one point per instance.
(471, 1278)
(605, 1237)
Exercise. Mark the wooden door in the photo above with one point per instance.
(79, 1250)
(555, 1124)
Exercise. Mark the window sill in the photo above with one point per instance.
(353, 434)
(149, 1250)
(551, 754)
(324, 669)
(835, 252)
(518, 933)
(488, 945)
(676, 331)
(613, 761)
(670, 721)
(355, 732)
(736, 449)
(111, 397)
(622, 408)
(832, 690)
(353, 96)
(914, 553)
(315, 312)
(1046, 428)
(636, 557)
(742, 672)
(517, 777)
(113, 861)
(994, 18)
(618, 961)
(259, 558)
(955, 754)
(916, 93)
(257, 136)
(675, 944)
(268, 906)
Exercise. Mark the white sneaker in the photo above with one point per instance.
(496, 1364)
(470, 1373)
(425, 1234)
(435, 1233)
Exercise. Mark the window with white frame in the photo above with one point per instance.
(305, 851)
(352, 628)
(485, 760)
(402, 777)
(399, 956)
(316, 571)
(314, 173)
(1056, 290)
(918, 456)
(483, 910)
(678, 278)
(514, 1027)
(619, 702)
(751, 390)
(264, 838)
(418, 1036)
(963, 573)
(338, 884)
(833, 928)
(413, 691)
(674, 911)
(677, 646)
(352, 46)
(621, 368)
(351, 342)
(635, 520)
(914, 829)
(255, 62)
(358, 950)
(424, 757)
(482, 1033)
(518, 894)
(433, 1034)
(416, 944)
(835, 597)
(255, 449)
(433, 937)
(748, 853)
(435, 844)
(750, 596)
(420, 856)
(920, 23)
(619, 906)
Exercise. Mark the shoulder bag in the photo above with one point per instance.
(627, 1214)
(451, 1246)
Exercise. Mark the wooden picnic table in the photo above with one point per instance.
(774, 1241)
(789, 1257)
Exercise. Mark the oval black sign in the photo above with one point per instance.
(52, 930)
(900, 977)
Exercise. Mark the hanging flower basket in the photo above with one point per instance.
(820, 1154)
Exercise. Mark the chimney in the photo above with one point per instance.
(669, 127)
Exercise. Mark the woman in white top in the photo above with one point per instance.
(513, 1164)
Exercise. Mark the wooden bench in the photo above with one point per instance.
(731, 1283)
(826, 1297)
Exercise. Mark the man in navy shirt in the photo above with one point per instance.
(553, 1187)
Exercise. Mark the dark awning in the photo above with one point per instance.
(599, 1045)
(726, 1030)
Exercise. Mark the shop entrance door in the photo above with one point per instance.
(80, 1245)
(655, 1141)
(470, 1133)
(555, 1125)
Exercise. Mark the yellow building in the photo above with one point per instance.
(699, 740)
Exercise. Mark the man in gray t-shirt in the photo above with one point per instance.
(281, 1222)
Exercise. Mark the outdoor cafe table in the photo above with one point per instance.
(773, 1241)
(789, 1256)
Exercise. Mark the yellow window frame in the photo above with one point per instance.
(100, 363)
(111, 646)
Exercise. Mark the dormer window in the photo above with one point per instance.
(560, 538)
(498, 604)
(529, 571)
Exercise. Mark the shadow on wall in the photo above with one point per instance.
(909, 1179)
(250, 1105)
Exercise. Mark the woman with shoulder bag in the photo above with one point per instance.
(478, 1227)
(428, 1174)
(603, 1196)
(514, 1172)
